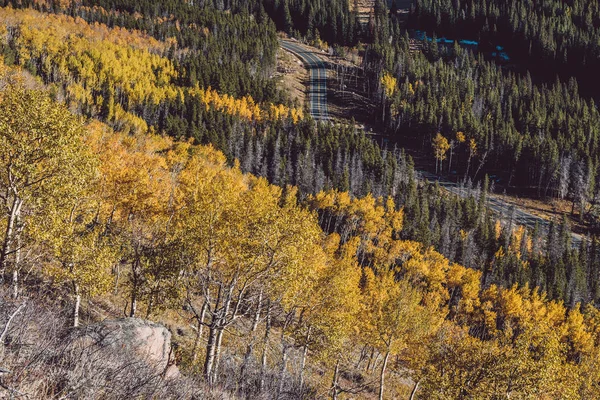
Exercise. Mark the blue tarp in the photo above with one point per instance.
(420, 35)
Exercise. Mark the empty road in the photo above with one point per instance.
(317, 88)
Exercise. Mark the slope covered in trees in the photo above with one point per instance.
(123, 77)
(276, 143)
(238, 51)
(317, 297)
(496, 122)
(550, 37)
(359, 279)
(539, 139)
(133, 82)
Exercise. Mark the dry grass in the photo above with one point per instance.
(292, 76)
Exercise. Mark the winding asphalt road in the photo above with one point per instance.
(318, 108)
(317, 88)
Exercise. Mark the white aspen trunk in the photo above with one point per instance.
(209, 360)
(15, 283)
(263, 362)
(210, 353)
(76, 305)
(219, 339)
(414, 391)
(133, 305)
(15, 212)
(382, 375)
(199, 332)
(257, 314)
(303, 361)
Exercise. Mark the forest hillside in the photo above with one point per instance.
(154, 172)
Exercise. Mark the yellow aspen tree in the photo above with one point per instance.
(329, 308)
(440, 147)
(83, 255)
(42, 160)
(240, 237)
(389, 86)
(136, 186)
(394, 316)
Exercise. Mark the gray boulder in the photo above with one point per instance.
(136, 339)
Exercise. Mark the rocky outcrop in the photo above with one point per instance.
(136, 338)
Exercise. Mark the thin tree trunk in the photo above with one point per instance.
(220, 330)
(133, 309)
(263, 362)
(76, 305)
(210, 352)
(15, 283)
(382, 375)
(219, 340)
(199, 332)
(15, 211)
(250, 347)
(468, 166)
(334, 382)
(257, 314)
(414, 391)
(17, 264)
(303, 361)
(209, 360)
(370, 359)
(361, 357)
(375, 362)
(284, 358)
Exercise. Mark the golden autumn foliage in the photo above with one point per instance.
(440, 147)
(171, 227)
(246, 108)
(495, 342)
(113, 73)
(389, 84)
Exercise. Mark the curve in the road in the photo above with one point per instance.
(317, 90)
